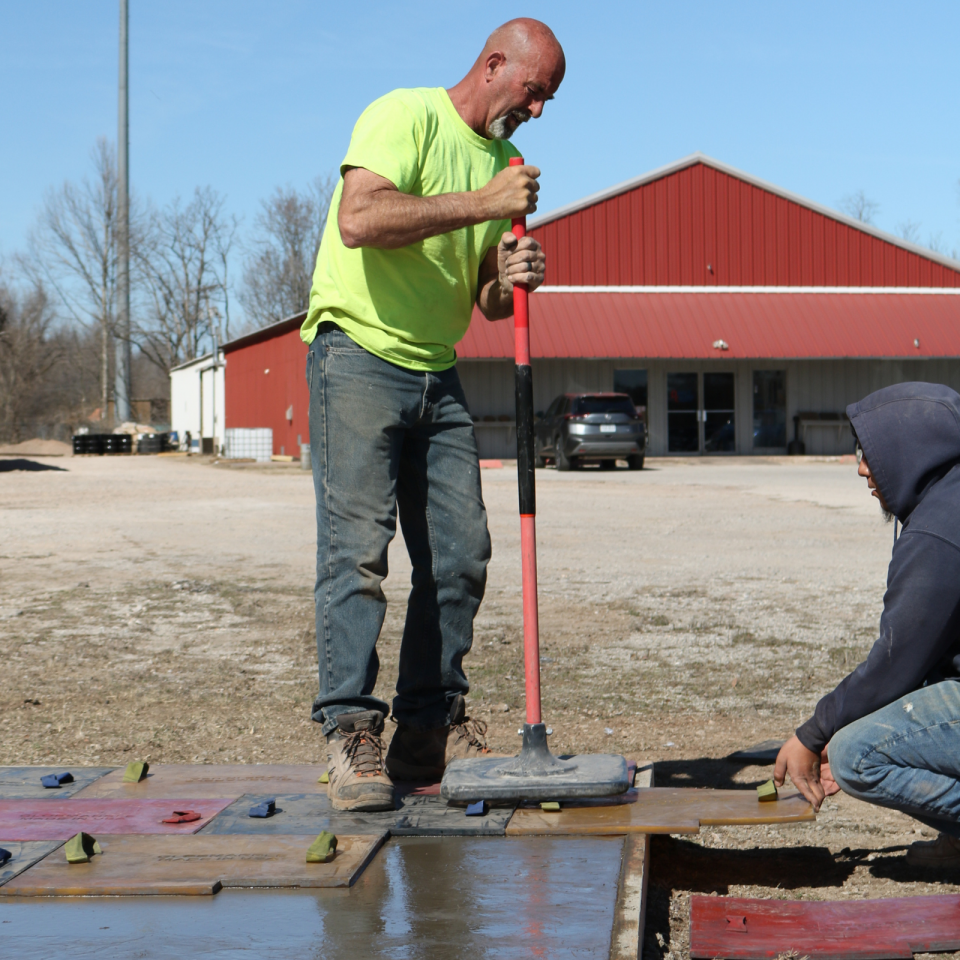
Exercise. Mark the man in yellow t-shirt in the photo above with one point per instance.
(418, 232)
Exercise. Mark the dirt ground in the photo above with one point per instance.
(160, 608)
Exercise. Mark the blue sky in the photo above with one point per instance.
(820, 98)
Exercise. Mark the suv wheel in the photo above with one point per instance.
(563, 461)
(635, 462)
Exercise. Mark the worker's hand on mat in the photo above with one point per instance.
(803, 766)
(520, 261)
(511, 193)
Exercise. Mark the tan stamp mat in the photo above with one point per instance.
(194, 865)
(211, 780)
(659, 810)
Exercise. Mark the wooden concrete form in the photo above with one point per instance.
(745, 929)
(23, 783)
(194, 865)
(630, 912)
(61, 819)
(212, 780)
(659, 810)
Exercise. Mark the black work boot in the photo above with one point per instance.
(417, 754)
(355, 763)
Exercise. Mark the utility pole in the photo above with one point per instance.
(121, 389)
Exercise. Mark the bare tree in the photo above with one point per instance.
(183, 265)
(28, 352)
(859, 206)
(73, 250)
(279, 268)
(908, 230)
(937, 244)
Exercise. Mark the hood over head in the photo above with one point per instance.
(910, 435)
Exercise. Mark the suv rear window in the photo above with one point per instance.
(586, 405)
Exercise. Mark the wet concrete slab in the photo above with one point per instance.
(61, 819)
(420, 898)
(212, 780)
(194, 866)
(24, 855)
(417, 815)
(23, 783)
(659, 810)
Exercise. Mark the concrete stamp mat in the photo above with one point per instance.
(23, 783)
(23, 855)
(417, 816)
(61, 819)
(195, 865)
(659, 810)
(212, 780)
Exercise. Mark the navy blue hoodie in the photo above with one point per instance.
(910, 435)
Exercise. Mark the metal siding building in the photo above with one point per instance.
(197, 402)
(693, 275)
(266, 384)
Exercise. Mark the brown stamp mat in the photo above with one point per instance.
(194, 865)
(212, 780)
(659, 810)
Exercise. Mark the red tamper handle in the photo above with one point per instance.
(521, 316)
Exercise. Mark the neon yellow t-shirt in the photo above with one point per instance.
(409, 306)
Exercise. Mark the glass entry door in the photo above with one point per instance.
(719, 435)
(701, 427)
(683, 412)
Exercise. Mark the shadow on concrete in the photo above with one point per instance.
(30, 466)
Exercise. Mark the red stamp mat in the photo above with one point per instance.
(61, 819)
(742, 929)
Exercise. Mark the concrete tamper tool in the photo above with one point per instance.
(535, 774)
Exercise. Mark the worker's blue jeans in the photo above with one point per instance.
(381, 437)
(906, 756)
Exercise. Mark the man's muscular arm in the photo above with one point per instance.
(374, 213)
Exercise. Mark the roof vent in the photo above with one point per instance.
(916, 343)
(721, 345)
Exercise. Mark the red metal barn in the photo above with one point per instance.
(735, 312)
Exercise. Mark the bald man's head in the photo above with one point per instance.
(518, 71)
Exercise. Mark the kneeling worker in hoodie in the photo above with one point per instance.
(890, 732)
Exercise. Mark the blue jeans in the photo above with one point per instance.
(906, 756)
(383, 437)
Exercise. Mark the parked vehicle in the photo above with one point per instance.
(583, 427)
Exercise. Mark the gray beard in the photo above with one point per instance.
(498, 129)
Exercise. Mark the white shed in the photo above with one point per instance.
(197, 402)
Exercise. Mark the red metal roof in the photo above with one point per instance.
(684, 324)
(700, 222)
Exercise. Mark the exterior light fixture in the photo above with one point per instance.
(916, 343)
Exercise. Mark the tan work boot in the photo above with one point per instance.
(355, 763)
(417, 754)
(943, 852)
(468, 738)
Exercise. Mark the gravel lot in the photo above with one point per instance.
(161, 608)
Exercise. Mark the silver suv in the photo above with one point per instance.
(579, 427)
